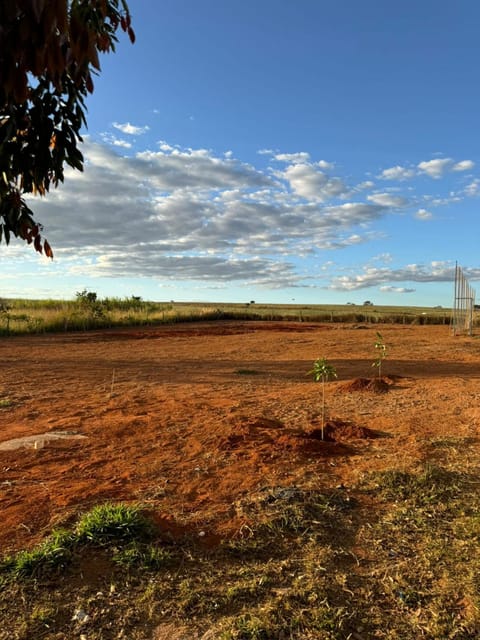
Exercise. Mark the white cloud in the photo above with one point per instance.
(388, 200)
(294, 158)
(366, 184)
(116, 142)
(464, 165)
(164, 146)
(423, 214)
(354, 213)
(473, 189)
(309, 182)
(386, 258)
(441, 202)
(435, 168)
(397, 173)
(130, 129)
(375, 277)
(121, 143)
(326, 166)
(195, 169)
(188, 213)
(390, 289)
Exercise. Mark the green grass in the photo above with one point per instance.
(113, 525)
(118, 522)
(52, 555)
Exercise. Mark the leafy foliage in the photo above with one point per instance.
(49, 50)
(322, 371)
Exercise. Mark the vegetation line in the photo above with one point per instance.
(87, 312)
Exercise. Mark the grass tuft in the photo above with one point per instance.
(51, 555)
(107, 524)
(146, 556)
(113, 522)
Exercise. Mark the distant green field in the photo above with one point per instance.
(87, 312)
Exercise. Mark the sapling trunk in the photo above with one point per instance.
(322, 371)
(323, 406)
(382, 354)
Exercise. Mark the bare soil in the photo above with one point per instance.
(188, 419)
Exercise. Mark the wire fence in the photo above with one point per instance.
(463, 304)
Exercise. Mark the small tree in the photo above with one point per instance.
(381, 353)
(89, 302)
(322, 372)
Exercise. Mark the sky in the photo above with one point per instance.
(315, 152)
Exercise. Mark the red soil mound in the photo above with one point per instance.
(340, 431)
(372, 385)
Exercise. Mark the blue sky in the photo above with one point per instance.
(322, 152)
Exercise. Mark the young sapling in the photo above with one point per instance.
(381, 353)
(322, 372)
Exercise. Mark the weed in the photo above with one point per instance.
(53, 554)
(137, 555)
(103, 525)
(253, 627)
(113, 522)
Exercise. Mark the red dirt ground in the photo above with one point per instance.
(189, 419)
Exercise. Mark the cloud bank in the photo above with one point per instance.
(176, 213)
(435, 169)
(420, 273)
(190, 214)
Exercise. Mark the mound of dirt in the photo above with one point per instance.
(340, 431)
(264, 435)
(372, 385)
(305, 446)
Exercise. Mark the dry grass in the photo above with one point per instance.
(38, 316)
(395, 557)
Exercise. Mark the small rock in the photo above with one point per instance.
(80, 616)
